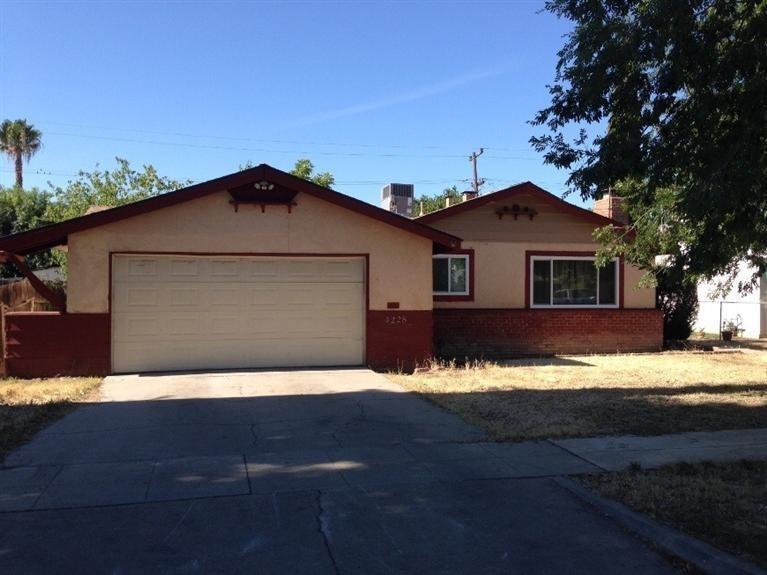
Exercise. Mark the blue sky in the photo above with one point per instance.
(371, 91)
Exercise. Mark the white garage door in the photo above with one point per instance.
(211, 312)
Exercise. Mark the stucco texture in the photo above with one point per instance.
(400, 262)
(500, 245)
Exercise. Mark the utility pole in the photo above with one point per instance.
(476, 182)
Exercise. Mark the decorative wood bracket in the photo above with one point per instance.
(54, 298)
(263, 193)
(516, 210)
(263, 205)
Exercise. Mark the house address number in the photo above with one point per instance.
(396, 319)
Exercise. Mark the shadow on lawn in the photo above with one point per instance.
(520, 414)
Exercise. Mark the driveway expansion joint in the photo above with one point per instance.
(323, 527)
(576, 455)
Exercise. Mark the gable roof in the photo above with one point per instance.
(56, 234)
(515, 190)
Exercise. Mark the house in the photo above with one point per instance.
(531, 285)
(260, 269)
(746, 310)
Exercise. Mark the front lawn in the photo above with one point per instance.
(28, 405)
(724, 503)
(644, 394)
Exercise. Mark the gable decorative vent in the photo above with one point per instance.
(516, 210)
(263, 193)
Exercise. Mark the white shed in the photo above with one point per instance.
(749, 310)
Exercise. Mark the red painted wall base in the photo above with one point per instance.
(44, 344)
(398, 339)
(501, 333)
(50, 343)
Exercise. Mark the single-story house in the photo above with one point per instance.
(263, 269)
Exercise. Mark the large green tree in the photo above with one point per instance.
(666, 102)
(108, 188)
(304, 168)
(435, 202)
(20, 141)
(22, 210)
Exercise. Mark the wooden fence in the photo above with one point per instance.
(17, 296)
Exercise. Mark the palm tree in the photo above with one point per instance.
(19, 140)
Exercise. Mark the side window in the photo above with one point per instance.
(450, 274)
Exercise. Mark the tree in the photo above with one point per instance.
(304, 168)
(108, 188)
(20, 141)
(436, 202)
(22, 210)
(666, 101)
(679, 303)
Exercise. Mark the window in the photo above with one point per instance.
(573, 282)
(450, 274)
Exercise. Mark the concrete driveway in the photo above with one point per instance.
(337, 471)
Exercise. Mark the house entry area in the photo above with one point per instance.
(195, 312)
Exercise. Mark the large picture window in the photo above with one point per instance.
(573, 282)
(450, 274)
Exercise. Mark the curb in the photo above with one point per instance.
(703, 556)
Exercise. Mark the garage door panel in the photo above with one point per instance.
(176, 313)
(184, 268)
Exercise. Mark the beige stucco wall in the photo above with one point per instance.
(400, 262)
(550, 225)
(499, 251)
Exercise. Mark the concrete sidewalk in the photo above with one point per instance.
(616, 453)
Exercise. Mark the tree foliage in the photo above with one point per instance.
(436, 202)
(22, 210)
(304, 168)
(667, 100)
(19, 140)
(679, 303)
(108, 188)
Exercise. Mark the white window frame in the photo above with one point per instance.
(552, 305)
(468, 273)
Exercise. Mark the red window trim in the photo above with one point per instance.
(470, 296)
(530, 253)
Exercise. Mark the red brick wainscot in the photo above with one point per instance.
(398, 339)
(43, 344)
(504, 333)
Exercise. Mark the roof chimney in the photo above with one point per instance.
(469, 195)
(398, 198)
(610, 206)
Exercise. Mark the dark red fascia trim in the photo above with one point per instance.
(56, 234)
(510, 192)
(530, 253)
(470, 297)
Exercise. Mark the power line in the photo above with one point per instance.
(371, 182)
(271, 141)
(274, 151)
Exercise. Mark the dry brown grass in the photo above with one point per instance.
(647, 394)
(725, 503)
(28, 405)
